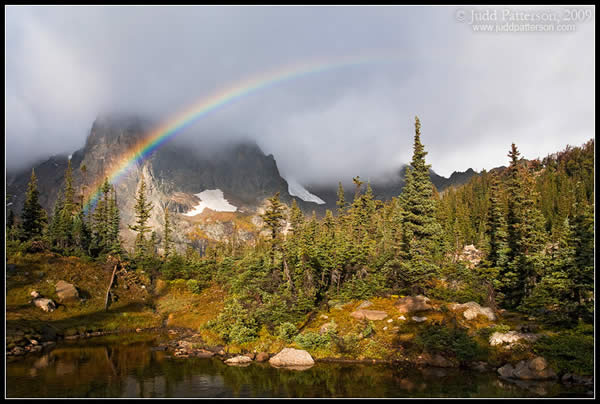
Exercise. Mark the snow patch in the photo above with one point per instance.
(295, 189)
(212, 199)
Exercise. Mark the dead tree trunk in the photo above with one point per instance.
(112, 279)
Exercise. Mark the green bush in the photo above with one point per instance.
(347, 343)
(369, 329)
(195, 286)
(569, 351)
(240, 333)
(454, 341)
(312, 340)
(287, 331)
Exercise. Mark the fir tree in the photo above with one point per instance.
(273, 218)
(167, 242)
(142, 214)
(341, 200)
(34, 217)
(420, 228)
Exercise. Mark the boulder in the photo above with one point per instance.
(262, 357)
(66, 292)
(292, 357)
(369, 314)
(506, 370)
(238, 360)
(364, 305)
(412, 304)
(473, 309)
(435, 360)
(419, 319)
(534, 369)
(511, 337)
(45, 304)
(35, 294)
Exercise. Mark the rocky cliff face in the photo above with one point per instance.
(173, 175)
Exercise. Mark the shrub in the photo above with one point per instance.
(569, 351)
(312, 340)
(369, 329)
(455, 341)
(240, 333)
(287, 331)
(347, 343)
(195, 286)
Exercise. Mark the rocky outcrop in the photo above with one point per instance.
(411, 304)
(511, 337)
(238, 360)
(470, 255)
(373, 315)
(292, 357)
(534, 369)
(66, 292)
(473, 309)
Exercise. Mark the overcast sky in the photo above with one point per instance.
(475, 92)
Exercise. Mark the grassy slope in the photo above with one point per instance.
(41, 272)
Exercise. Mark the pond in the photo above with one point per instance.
(126, 366)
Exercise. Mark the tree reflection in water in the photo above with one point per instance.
(125, 366)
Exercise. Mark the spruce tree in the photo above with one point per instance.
(142, 214)
(34, 217)
(341, 200)
(167, 242)
(419, 225)
(273, 218)
(114, 222)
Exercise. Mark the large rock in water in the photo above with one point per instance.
(238, 360)
(534, 369)
(473, 309)
(369, 314)
(410, 304)
(66, 292)
(292, 357)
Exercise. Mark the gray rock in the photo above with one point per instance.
(364, 305)
(292, 357)
(66, 292)
(369, 314)
(511, 337)
(412, 304)
(238, 360)
(419, 319)
(473, 309)
(45, 304)
(506, 370)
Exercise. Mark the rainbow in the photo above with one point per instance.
(159, 135)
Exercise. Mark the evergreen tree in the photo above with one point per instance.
(419, 225)
(167, 242)
(341, 200)
(34, 217)
(114, 222)
(273, 218)
(142, 214)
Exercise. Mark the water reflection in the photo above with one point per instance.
(126, 367)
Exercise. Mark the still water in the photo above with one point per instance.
(127, 367)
